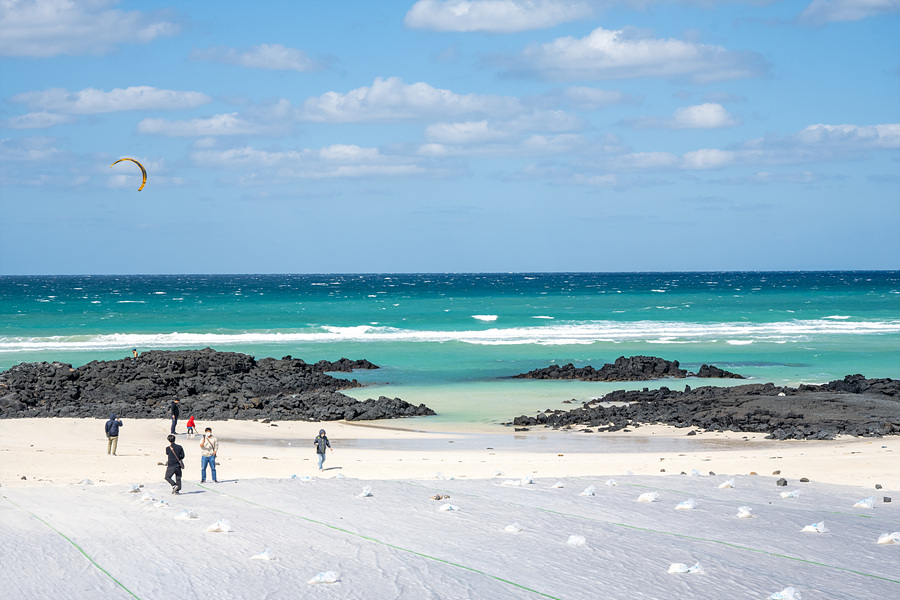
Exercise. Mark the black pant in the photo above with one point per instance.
(176, 471)
(174, 422)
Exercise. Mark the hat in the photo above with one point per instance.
(321, 432)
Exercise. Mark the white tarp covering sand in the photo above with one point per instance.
(90, 542)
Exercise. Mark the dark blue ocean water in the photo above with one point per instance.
(450, 339)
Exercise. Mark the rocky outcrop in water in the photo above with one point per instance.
(631, 368)
(209, 384)
(853, 406)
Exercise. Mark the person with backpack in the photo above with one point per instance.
(321, 443)
(174, 464)
(112, 434)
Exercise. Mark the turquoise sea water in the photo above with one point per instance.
(451, 340)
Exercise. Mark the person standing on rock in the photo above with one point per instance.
(209, 447)
(174, 464)
(173, 412)
(321, 443)
(112, 434)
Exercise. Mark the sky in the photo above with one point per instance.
(449, 136)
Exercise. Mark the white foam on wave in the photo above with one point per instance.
(485, 317)
(551, 334)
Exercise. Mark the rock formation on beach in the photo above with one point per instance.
(216, 385)
(852, 406)
(631, 368)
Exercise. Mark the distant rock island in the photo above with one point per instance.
(852, 406)
(210, 385)
(631, 368)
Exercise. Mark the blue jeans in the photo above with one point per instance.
(321, 460)
(207, 460)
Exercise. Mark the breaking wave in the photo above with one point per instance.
(559, 333)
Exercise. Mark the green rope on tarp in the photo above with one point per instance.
(79, 548)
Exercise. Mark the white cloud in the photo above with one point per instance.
(337, 160)
(44, 28)
(28, 149)
(470, 132)
(494, 16)
(707, 158)
(36, 120)
(392, 100)
(621, 54)
(850, 136)
(224, 124)
(91, 101)
(828, 11)
(264, 56)
(588, 98)
(703, 116)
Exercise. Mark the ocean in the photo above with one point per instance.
(452, 341)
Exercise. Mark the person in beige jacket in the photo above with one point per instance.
(209, 448)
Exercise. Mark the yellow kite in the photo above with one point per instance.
(143, 170)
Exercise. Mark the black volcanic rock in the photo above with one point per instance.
(716, 373)
(209, 384)
(871, 408)
(632, 368)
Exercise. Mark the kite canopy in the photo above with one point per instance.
(143, 170)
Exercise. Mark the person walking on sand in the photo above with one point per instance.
(321, 443)
(112, 434)
(173, 412)
(190, 426)
(209, 447)
(174, 464)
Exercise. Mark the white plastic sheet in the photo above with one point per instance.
(787, 593)
(326, 577)
(816, 528)
(220, 526)
(683, 568)
(889, 538)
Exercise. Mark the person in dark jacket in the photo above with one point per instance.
(174, 464)
(173, 412)
(321, 443)
(112, 434)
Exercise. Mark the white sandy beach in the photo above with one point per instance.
(78, 533)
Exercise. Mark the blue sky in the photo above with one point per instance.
(431, 136)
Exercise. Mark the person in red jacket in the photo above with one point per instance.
(190, 426)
